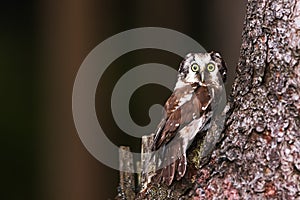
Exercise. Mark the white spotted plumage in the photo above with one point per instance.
(187, 113)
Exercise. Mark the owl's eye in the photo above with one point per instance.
(195, 67)
(210, 67)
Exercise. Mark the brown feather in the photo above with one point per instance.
(181, 115)
(176, 117)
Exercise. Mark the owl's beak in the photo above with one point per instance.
(202, 76)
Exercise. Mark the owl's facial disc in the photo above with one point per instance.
(199, 68)
(202, 68)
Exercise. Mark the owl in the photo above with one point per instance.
(187, 113)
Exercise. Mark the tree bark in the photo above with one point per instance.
(261, 149)
(259, 154)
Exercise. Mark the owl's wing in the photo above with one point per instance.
(176, 118)
(167, 128)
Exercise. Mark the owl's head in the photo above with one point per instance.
(203, 68)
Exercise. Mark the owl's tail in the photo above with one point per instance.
(171, 163)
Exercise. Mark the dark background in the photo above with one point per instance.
(42, 46)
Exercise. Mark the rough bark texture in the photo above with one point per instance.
(259, 155)
(126, 188)
(261, 149)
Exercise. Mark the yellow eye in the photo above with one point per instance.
(195, 67)
(210, 67)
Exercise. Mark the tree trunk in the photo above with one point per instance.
(259, 154)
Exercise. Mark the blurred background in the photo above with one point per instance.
(43, 44)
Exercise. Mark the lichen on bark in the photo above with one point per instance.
(261, 150)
